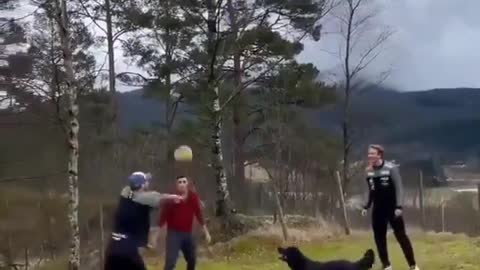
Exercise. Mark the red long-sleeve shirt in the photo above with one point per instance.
(179, 216)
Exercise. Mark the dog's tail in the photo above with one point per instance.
(367, 261)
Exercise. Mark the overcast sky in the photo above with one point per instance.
(435, 44)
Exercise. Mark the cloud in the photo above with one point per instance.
(434, 45)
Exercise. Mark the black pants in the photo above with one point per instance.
(124, 262)
(176, 242)
(380, 220)
(123, 255)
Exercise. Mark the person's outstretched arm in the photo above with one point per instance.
(150, 198)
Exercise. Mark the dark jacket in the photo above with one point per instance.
(131, 223)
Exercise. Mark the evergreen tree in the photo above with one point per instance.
(165, 47)
(15, 62)
(257, 43)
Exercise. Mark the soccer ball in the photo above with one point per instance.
(183, 153)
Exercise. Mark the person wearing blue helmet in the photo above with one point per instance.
(131, 223)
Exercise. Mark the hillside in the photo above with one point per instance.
(439, 120)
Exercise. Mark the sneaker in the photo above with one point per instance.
(414, 267)
(388, 268)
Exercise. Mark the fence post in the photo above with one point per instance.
(102, 236)
(443, 213)
(478, 195)
(342, 204)
(422, 200)
(27, 262)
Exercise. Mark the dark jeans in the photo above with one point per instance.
(380, 220)
(176, 242)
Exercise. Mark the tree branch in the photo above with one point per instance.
(93, 18)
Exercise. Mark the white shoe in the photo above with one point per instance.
(388, 268)
(414, 267)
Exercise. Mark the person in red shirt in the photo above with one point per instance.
(178, 217)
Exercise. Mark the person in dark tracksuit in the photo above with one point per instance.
(386, 195)
(179, 220)
(132, 223)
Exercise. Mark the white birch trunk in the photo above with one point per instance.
(72, 129)
(111, 82)
(223, 196)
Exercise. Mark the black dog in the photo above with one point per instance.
(297, 261)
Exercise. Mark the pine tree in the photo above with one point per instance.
(109, 19)
(166, 50)
(15, 62)
(244, 41)
(258, 43)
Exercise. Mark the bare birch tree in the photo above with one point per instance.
(72, 126)
(362, 41)
(213, 36)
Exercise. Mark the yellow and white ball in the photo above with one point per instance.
(183, 153)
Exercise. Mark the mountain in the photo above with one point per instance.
(445, 121)
(136, 111)
(440, 120)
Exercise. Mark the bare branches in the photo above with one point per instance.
(94, 19)
(363, 41)
(358, 51)
(121, 74)
(371, 53)
(246, 84)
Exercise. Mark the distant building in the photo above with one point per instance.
(461, 177)
(256, 173)
(433, 175)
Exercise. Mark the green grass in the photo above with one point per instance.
(434, 252)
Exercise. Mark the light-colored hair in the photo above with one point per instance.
(379, 148)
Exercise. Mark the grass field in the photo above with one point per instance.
(434, 252)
